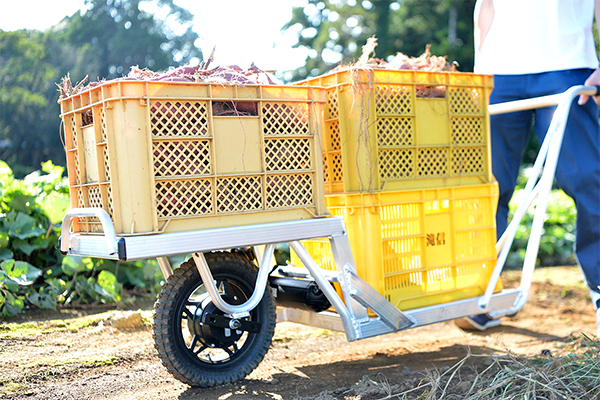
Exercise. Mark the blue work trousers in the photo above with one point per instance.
(578, 170)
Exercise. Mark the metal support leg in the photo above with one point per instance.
(165, 267)
(241, 310)
(349, 327)
(363, 293)
(358, 295)
(342, 254)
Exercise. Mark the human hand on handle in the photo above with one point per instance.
(593, 80)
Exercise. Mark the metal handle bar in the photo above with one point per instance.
(547, 159)
(531, 190)
(538, 102)
(107, 227)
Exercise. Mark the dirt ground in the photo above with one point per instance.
(99, 354)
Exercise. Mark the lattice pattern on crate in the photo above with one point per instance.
(239, 194)
(76, 168)
(106, 164)
(73, 132)
(396, 164)
(393, 99)
(336, 163)
(432, 162)
(395, 131)
(184, 198)
(181, 157)
(401, 255)
(468, 160)
(95, 201)
(400, 220)
(289, 191)
(332, 168)
(285, 119)
(326, 168)
(402, 259)
(406, 282)
(334, 138)
(103, 124)
(94, 197)
(466, 101)
(109, 199)
(179, 118)
(332, 110)
(467, 130)
(80, 200)
(288, 154)
(320, 251)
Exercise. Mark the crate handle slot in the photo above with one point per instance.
(107, 226)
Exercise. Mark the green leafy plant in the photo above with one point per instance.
(558, 236)
(32, 270)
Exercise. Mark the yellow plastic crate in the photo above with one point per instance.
(385, 131)
(419, 247)
(170, 157)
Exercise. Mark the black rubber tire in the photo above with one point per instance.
(169, 334)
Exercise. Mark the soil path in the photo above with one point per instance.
(77, 355)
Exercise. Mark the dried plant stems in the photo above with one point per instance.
(575, 376)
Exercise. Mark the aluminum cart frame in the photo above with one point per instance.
(352, 316)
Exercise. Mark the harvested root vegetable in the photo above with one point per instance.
(425, 62)
(66, 88)
(229, 75)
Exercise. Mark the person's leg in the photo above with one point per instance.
(578, 171)
(509, 137)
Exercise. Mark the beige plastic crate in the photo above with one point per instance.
(170, 157)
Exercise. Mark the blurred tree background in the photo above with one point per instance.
(335, 30)
(104, 42)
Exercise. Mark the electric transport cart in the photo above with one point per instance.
(216, 313)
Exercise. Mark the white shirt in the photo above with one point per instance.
(533, 36)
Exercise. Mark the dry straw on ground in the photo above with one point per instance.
(574, 376)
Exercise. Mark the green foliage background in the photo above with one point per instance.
(32, 270)
(104, 42)
(558, 238)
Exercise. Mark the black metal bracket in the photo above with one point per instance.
(231, 323)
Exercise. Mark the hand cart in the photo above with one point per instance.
(215, 316)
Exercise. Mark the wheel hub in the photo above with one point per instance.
(211, 335)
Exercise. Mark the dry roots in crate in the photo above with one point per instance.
(425, 62)
(230, 75)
